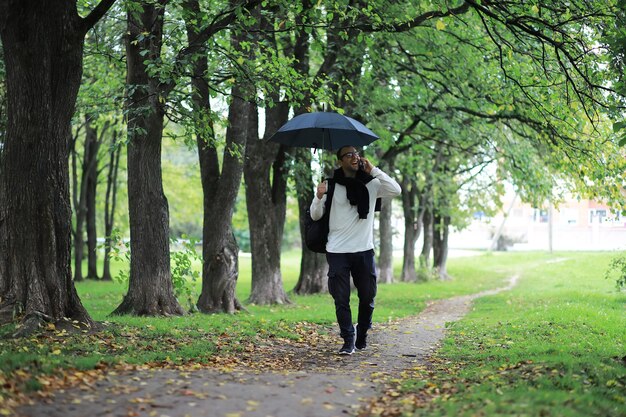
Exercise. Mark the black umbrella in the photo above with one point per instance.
(323, 130)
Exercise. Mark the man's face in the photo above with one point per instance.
(349, 158)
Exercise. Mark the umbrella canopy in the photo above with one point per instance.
(323, 130)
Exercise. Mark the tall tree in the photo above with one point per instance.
(43, 46)
(220, 252)
(332, 81)
(100, 102)
(152, 78)
(150, 289)
(110, 202)
(265, 173)
(96, 138)
(84, 182)
(313, 266)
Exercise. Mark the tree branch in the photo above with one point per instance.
(96, 14)
(464, 8)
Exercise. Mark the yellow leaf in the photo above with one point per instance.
(50, 326)
(440, 25)
(233, 414)
(535, 9)
(5, 412)
(56, 352)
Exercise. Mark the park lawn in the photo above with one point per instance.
(197, 338)
(553, 346)
(556, 340)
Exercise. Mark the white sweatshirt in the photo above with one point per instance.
(347, 233)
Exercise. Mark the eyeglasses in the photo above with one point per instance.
(350, 155)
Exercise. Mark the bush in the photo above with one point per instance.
(617, 266)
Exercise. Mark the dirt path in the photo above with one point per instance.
(311, 379)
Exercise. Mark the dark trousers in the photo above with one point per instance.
(362, 267)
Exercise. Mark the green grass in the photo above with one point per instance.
(196, 337)
(553, 346)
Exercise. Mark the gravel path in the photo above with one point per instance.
(311, 379)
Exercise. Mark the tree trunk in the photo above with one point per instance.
(43, 46)
(150, 290)
(424, 272)
(441, 226)
(412, 228)
(220, 253)
(313, 278)
(427, 222)
(110, 200)
(265, 177)
(79, 247)
(3, 215)
(87, 201)
(78, 199)
(92, 183)
(385, 257)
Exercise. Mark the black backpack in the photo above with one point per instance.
(316, 231)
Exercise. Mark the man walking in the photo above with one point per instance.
(350, 246)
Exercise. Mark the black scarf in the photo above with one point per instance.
(356, 191)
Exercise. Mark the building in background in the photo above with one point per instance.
(573, 225)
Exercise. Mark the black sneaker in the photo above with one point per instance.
(348, 346)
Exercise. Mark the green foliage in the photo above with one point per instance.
(617, 270)
(185, 269)
(184, 274)
(120, 254)
(615, 40)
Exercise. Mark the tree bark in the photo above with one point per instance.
(78, 200)
(110, 201)
(220, 252)
(441, 226)
(43, 46)
(150, 290)
(3, 232)
(90, 200)
(385, 257)
(78, 197)
(427, 225)
(412, 228)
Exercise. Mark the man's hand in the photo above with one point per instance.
(367, 165)
(321, 189)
